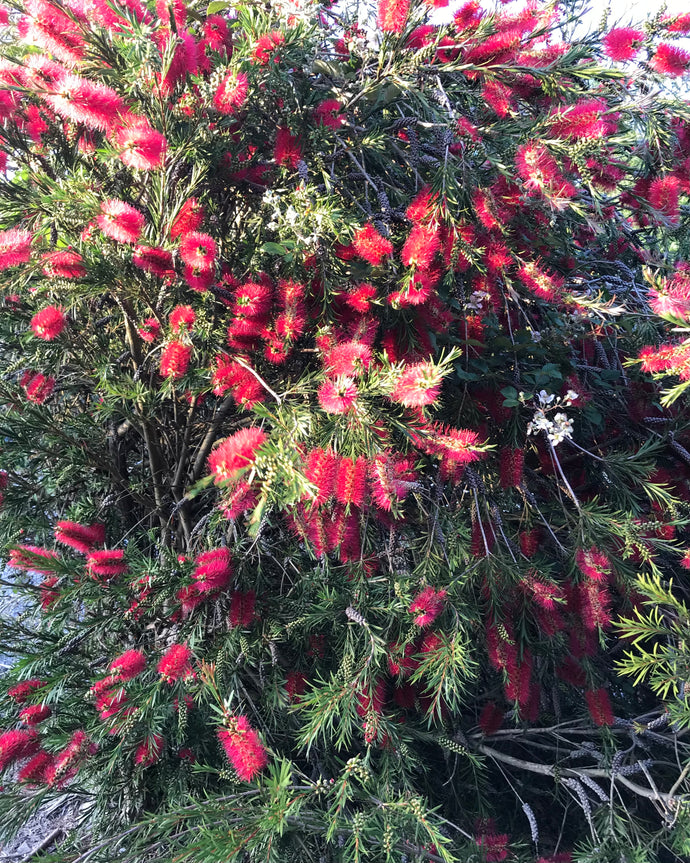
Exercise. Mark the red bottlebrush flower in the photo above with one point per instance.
(593, 563)
(491, 718)
(35, 713)
(468, 15)
(29, 557)
(175, 360)
(287, 151)
(494, 846)
(87, 103)
(351, 481)
(541, 174)
(402, 663)
(418, 385)
(66, 763)
(266, 47)
(149, 751)
(320, 470)
(512, 462)
(153, 259)
(198, 280)
(231, 93)
(34, 771)
(623, 43)
(421, 246)
(129, 665)
(594, 602)
(17, 744)
(55, 32)
(243, 748)
(140, 146)
(679, 24)
(213, 569)
(371, 246)
(348, 358)
(372, 700)
(295, 686)
(241, 499)
(546, 286)
(120, 221)
(63, 265)
(38, 388)
(423, 207)
(236, 453)
(150, 330)
(198, 250)
(392, 15)
(599, 706)
(107, 563)
(242, 608)
(327, 113)
(175, 664)
(48, 323)
(338, 396)
(391, 478)
(189, 218)
(572, 672)
(253, 300)
(49, 596)
(685, 560)
(663, 196)
(109, 703)
(217, 35)
(584, 119)
(429, 603)
(80, 537)
(359, 299)
(21, 691)
(670, 60)
(182, 318)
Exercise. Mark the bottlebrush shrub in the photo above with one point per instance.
(342, 380)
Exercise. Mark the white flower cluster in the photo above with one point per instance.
(558, 427)
(306, 226)
(476, 301)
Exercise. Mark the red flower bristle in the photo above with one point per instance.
(338, 395)
(418, 385)
(622, 43)
(371, 246)
(34, 771)
(48, 323)
(154, 260)
(39, 387)
(242, 608)
(287, 151)
(295, 686)
(512, 462)
(17, 743)
(21, 691)
(198, 250)
(670, 60)
(149, 751)
(107, 563)
(236, 453)
(243, 748)
(120, 221)
(63, 265)
(213, 569)
(231, 93)
(599, 706)
(491, 718)
(182, 318)
(129, 665)
(327, 113)
(35, 713)
(80, 537)
(421, 246)
(189, 218)
(350, 481)
(348, 358)
(320, 469)
(29, 557)
(139, 145)
(427, 606)
(175, 664)
(149, 330)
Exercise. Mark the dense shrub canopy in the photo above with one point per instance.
(343, 428)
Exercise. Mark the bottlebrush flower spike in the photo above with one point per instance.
(512, 463)
(392, 15)
(176, 664)
(231, 93)
(236, 453)
(663, 196)
(38, 387)
(418, 385)
(351, 481)
(66, 763)
(35, 713)
(154, 260)
(266, 47)
(63, 265)
(149, 751)
(198, 250)
(320, 469)
(129, 665)
(423, 207)
(139, 145)
(80, 537)
(120, 221)
(348, 358)
(338, 395)
(107, 563)
(175, 360)
(21, 691)
(87, 103)
(150, 330)
(623, 43)
(427, 605)
(28, 557)
(327, 113)
(421, 246)
(34, 771)
(670, 60)
(49, 595)
(391, 479)
(371, 246)
(16, 744)
(287, 151)
(189, 218)
(491, 718)
(599, 706)
(182, 318)
(295, 686)
(48, 323)
(242, 608)
(213, 569)
(593, 563)
(243, 747)
(55, 32)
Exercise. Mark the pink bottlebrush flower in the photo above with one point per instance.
(175, 10)
(34, 771)
(266, 47)
(423, 207)
(175, 360)
(66, 763)
(63, 265)
(29, 557)
(87, 103)
(392, 15)
(295, 686)
(402, 663)
(421, 246)
(242, 608)
(139, 145)
(287, 151)
(189, 218)
(623, 43)
(35, 713)
(155, 260)
(120, 221)
(546, 286)
(593, 563)
(176, 663)
(129, 665)
(663, 196)
(107, 563)
(17, 743)
(685, 560)
(418, 385)
(338, 395)
(512, 461)
(327, 113)
(190, 598)
(198, 250)
(217, 35)
(586, 119)
(678, 24)
(468, 15)
(290, 325)
(670, 60)
(391, 479)
(231, 93)
(49, 595)
(599, 706)
(241, 499)
(21, 691)
(320, 470)
(243, 748)
(594, 602)
(359, 298)
(540, 172)
(213, 569)
(109, 704)
(236, 453)
(371, 246)
(351, 481)
(198, 280)
(39, 387)
(348, 358)
(48, 323)
(149, 751)
(182, 318)
(429, 604)
(494, 846)
(15, 248)
(55, 32)
(80, 537)
(150, 330)
(499, 97)
(491, 718)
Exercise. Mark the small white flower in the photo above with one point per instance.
(545, 398)
(571, 395)
(536, 335)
